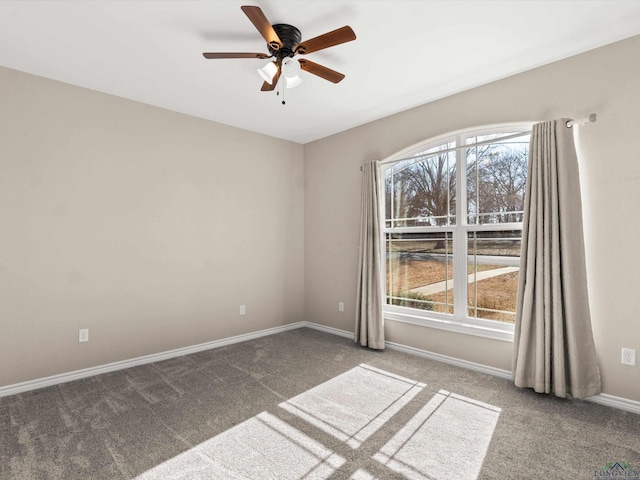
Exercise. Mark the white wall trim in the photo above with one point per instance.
(602, 399)
(478, 367)
(612, 401)
(616, 402)
(481, 329)
(331, 330)
(134, 362)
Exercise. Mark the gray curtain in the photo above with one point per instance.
(369, 330)
(554, 349)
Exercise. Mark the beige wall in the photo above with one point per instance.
(147, 227)
(605, 81)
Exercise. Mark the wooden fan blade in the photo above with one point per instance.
(234, 55)
(321, 71)
(329, 39)
(268, 87)
(263, 25)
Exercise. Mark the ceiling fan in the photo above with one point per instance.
(284, 42)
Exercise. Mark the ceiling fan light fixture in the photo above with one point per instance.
(291, 82)
(284, 42)
(290, 66)
(290, 70)
(268, 71)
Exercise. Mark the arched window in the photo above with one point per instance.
(453, 211)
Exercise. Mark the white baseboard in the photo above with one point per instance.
(478, 367)
(331, 330)
(419, 352)
(134, 362)
(620, 403)
(602, 399)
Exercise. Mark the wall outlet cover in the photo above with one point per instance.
(83, 335)
(629, 357)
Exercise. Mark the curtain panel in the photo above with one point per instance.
(554, 350)
(369, 329)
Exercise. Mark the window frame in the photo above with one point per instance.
(455, 323)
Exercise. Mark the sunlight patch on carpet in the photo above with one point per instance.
(447, 438)
(353, 406)
(361, 474)
(262, 447)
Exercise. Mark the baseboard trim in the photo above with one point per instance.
(620, 403)
(605, 399)
(134, 362)
(331, 330)
(420, 353)
(438, 357)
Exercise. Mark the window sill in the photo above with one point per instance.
(499, 331)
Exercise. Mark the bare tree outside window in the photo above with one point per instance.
(422, 195)
(496, 181)
(423, 192)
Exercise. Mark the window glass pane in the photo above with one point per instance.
(425, 207)
(421, 192)
(499, 137)
(423, 151)
(496, 181)
(420, 270)
(493, 264)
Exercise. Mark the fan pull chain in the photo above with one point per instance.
(283, 89)
(278, 86)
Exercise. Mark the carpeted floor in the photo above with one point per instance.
(305, 404)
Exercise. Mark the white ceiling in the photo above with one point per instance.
(407, 52)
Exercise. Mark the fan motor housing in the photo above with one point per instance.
(290, 36)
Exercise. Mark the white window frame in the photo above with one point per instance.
(455, 323)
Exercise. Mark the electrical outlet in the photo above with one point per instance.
(629, 357)
(341, 306)
(243, 310)
(83, 335)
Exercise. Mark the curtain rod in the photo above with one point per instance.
(591, 118)
(581, 121)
